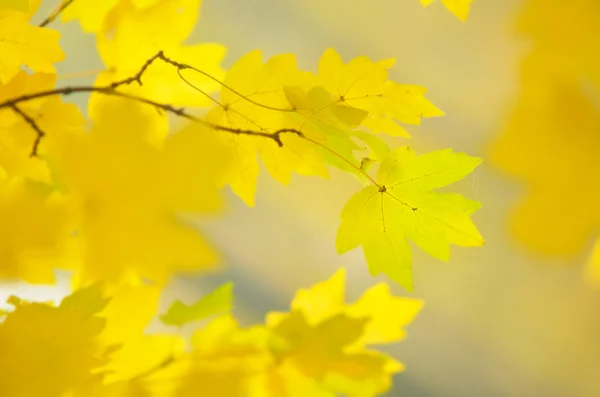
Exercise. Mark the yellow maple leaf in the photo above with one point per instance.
(387, 314)
(35, 233)
(253, 98)
(460, 8)
(17, 137)
(22, 44)
(56, 346)
(322, 353)
(130, 193)
(131, 36)
(382, 218)
(363, 84)
(132, 307)
(320, 345)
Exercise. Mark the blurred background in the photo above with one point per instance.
(499, 321)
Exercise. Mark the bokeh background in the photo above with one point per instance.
(499, 321)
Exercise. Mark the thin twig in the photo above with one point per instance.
(56, 13)
(111, 89)
(39, 133)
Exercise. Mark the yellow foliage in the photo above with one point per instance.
(17, 138)
(130, 193)
(22, 44)
(550, 139)
(35, 232)
(48, 350)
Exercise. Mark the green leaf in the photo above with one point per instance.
(217, 302)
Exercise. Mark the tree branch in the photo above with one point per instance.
(111, 90)
(39, 133)
(56, 13)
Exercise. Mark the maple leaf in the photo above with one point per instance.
(217, 302)
(363, 84)
(223, 358)
(382, 218)
(22, 44)
(131, 36)
(17, 137)
(130, 192)
(35, 233)
(56, 346)
(327, 298)
(323, 340)
(132, 307)
(460, 8)
(253, 98)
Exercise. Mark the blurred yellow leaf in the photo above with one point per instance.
(130, 193)
(550, 141)
(35, 232)
(22, 44)
(55, 346)
(17, 137)
(130, 37)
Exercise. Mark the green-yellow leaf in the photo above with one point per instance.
(218, 301)
(403, 206)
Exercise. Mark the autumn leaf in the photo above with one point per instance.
(555, 123)
(460, 8)
(217, 302)
(321, 343)
(131, 193)
(22, 44)
(382, 218)
(18, 138)
(56, 346)
(35, 233)
(253, 98)
(363, 84)
(131, 36)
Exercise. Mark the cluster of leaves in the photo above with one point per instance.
(550, 140)
(104, 195)
(91, 345)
